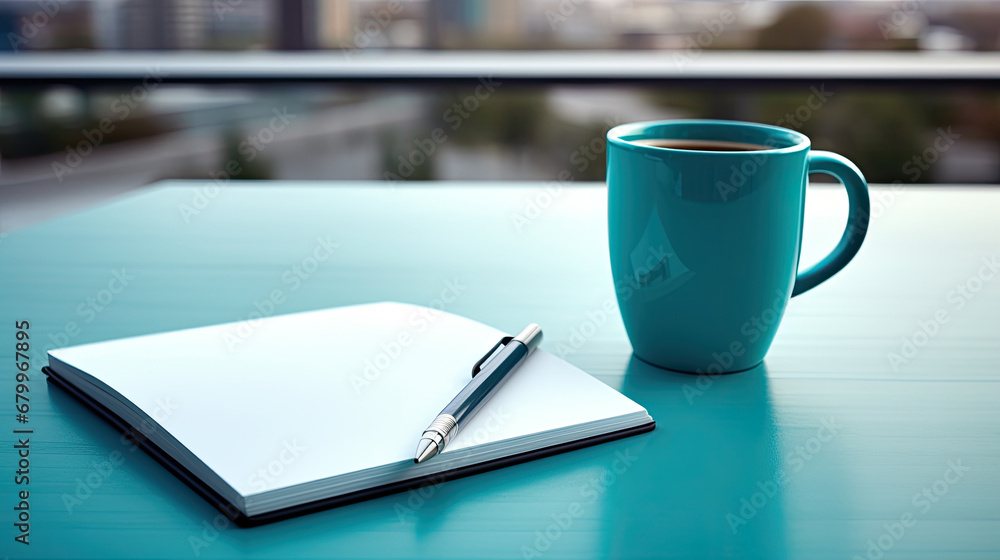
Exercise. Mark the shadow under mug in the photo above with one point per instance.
(705, 244)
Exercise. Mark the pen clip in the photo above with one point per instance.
(479, 365)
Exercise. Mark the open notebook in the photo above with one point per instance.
(312, 410)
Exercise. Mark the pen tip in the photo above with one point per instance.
(426, 449)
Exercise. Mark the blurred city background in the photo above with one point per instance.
(329, 132)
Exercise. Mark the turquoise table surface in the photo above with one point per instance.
(871, 431)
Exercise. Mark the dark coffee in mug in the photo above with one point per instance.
(702, 145)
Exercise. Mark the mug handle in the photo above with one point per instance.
(847, 173)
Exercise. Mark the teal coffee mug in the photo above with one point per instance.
(705, 226)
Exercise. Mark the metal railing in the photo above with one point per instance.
(753, 68)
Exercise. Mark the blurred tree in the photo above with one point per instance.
(25, 132)
(879, 132)
(29, 130)
(693, 103)
(254, 168)
(509, 118)
(780, 107)
(403, 160)
(799, 27)
(587, 157)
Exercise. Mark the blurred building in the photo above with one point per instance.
(336, 23)
(247, 24)
(499, 24)
(145, 25)
(181, 24)
(474, 24)
(33, 25)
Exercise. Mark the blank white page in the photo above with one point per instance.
(313, 395)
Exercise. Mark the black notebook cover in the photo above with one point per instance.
(242, 520)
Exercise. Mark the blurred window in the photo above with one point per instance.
(87, 142)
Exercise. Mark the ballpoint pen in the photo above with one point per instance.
(488, 374)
